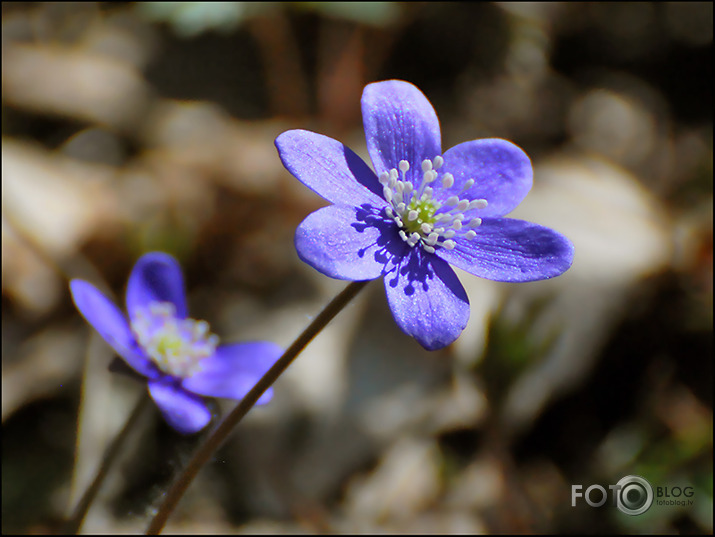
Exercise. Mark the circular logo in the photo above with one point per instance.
(634, 495)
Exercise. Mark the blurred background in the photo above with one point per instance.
(134, 127)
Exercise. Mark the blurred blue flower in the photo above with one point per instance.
(179, 357)
(420, 211)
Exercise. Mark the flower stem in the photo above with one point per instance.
(72, 524)
(214, 441)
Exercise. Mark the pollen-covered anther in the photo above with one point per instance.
(421, 218)
(176, 346)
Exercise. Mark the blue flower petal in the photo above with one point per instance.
(400, 124)
(509, 250)
(111, 324)
(329, 168)
(234, 369)
(501, 171)
(156, 277)
(348, 243)
(427, 299)
(185, 412)
(425, 295)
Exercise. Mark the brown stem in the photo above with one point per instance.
(219, 435)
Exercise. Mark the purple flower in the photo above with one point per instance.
(180, 358)
(420, 211)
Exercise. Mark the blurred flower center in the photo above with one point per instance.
(421, 217)
(176, 346)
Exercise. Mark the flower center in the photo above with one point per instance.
(422, 218)
(176, 346)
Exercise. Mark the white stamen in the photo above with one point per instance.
(200, 329)
(162, 309)
(175, 346)
(393, 178)
(420, 218)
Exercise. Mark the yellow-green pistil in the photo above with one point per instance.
(169, 345)
(176, 346)
(425, 210)
(420, 216)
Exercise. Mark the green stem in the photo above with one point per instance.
(219, 435)
(73, 524)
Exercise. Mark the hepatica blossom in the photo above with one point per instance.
(419, 212)
(180, 358)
